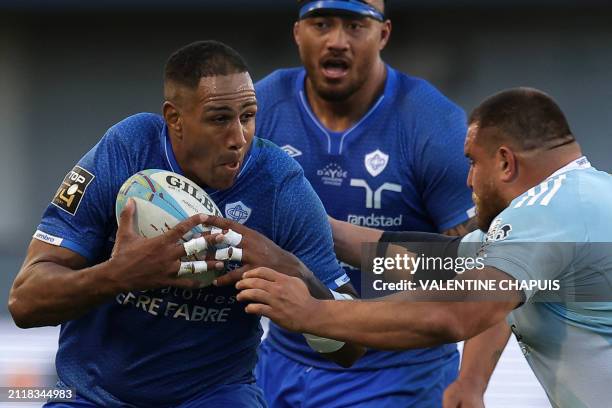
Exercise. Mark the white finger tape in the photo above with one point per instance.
(232, 238)
(216, 230)
(236, 254)
(222, 254)
(195, 245)
(191, 268)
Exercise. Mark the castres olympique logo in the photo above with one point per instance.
(238, 212)
(376, 162)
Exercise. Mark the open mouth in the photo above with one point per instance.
(232, 166)
(335, 68)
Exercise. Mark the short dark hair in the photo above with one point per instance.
(526, 116)
(200, 59)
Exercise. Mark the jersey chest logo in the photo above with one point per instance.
(376, 162)
(237, 211)
(332, 174)
(291, 151)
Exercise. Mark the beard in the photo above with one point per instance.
(487, 208)
(336, 93)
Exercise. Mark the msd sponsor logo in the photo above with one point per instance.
(374, 220)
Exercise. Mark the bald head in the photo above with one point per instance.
(525, 118)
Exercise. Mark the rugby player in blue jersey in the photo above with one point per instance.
(381, 149)
(132, 333)
(545, 246)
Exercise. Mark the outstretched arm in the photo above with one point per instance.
(402, 321)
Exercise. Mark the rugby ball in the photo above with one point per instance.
(163, 199)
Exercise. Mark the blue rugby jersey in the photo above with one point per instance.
(401, 167)
(160, 347)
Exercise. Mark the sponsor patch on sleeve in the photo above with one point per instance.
(72, 190)
(343, 280)
(49, 239)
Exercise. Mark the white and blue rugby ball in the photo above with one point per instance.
(163, 199)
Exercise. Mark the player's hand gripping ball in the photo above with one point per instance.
(163, 199)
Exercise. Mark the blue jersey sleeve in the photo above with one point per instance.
(303, 229)
(440, 164)
(81, 216)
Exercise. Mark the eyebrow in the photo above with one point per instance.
(220, 108)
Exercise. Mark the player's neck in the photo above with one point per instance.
(539, 168)
(339, 116)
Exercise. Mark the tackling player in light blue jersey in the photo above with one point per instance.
(381, 149)
(133, 334)
(546, 253)
(559, 233)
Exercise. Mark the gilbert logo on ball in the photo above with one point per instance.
(163, 199)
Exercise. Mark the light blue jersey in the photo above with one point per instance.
(561, 231)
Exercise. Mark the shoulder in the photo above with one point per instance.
(276, 87)
(137, 128)
(275, 162)
(429, 120)
(421, 95)
(548, 212)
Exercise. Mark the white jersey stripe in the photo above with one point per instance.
(556, 187)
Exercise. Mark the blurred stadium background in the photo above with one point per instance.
(69, 69)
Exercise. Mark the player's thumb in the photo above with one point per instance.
(126, 219)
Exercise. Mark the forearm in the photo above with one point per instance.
(348, 239)
(53, 294)
(481, 354)
(399, 322)
(389, 325)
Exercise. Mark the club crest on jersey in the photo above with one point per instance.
(332, 174)
(497, 231)
(69, 194)
(376, 162)
(291, 151)
(238, 212)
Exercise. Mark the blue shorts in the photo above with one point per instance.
(289, 384)
(224, 396)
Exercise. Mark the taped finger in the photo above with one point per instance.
(232, 238)
(229, 253)
(195, 245)
(192, 268)
(236, 255)
(222, 254)
(216, 230)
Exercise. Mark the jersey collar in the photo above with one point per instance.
(388, 93)
(578, 164)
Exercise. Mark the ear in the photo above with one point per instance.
(296, 33)
(385, 34)
(173, 119)
(507, 164)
